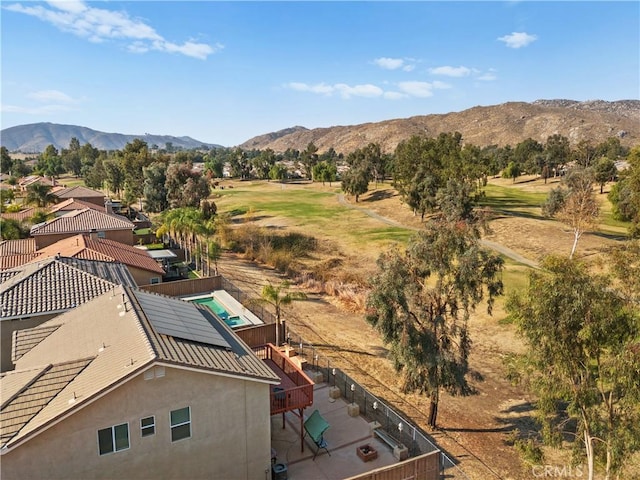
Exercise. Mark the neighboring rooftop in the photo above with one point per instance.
(74, 204)
(55, 285)
(94, 353)
(78, 192)
(92, 248)
(82, 221)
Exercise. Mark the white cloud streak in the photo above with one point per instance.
(100, 25)
(387, 63)
(451, 71)
(404, 89)
(47, 96)
(518, 39)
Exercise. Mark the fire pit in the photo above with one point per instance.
(367, 453)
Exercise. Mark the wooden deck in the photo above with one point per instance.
(295, 391)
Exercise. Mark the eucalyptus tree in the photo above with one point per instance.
(308, 158)
(6, 162)
(582, 360)
(625, 194)
(355, 182)
(422, 298)
(604, 171)
(154, 189)
(574, 204)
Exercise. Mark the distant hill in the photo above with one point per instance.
(504, 124)
(35, 137)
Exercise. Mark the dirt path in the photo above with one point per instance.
(507, 252)
(475, 427)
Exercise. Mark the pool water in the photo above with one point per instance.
(215, 306)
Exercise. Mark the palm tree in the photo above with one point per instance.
(40, 195)
(278, 297)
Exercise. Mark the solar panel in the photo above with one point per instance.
(170, 316)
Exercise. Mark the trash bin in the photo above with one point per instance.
(279, 471)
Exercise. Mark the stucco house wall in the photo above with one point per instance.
(230, 433)
(143, 277)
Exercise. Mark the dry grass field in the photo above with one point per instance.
(476, 429)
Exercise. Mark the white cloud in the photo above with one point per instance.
(395, 63)
(488, 76)
(395, 95)
(99, 25)
(451, 71)
(50, 96)
(342, 89)
(320, 88)
(389, 63)
(366, 90)
(518, 39)
(417, 89)
(38, 111)
(403, 89)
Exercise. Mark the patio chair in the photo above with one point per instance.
(315, 426)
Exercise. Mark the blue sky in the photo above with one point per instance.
(223, 72)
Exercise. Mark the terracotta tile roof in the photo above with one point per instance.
(74, 204)
(118, 344)
(22, 215)
(13, 247)
(49, 286)
(12, 261)
(83, 246)
(79, 192)
(83, 221)
(26, 181)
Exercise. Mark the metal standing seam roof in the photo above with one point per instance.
(83, 221)
(48, 286)
(117, 343)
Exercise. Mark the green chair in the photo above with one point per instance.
(315, 426)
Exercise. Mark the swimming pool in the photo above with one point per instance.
(223, 305)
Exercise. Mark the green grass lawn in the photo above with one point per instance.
(314, 212)
(514, 201)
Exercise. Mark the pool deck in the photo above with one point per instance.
(343, 437)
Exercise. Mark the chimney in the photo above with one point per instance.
(108, 206)
(93, 234)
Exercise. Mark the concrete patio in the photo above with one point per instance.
(343, 437)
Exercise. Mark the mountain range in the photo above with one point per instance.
(504, 124)
(35, 137)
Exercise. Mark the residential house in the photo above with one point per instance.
(40, 290)
(25, 182)
(139, 385)
(144, 269)
(81, 193)
(86, 220)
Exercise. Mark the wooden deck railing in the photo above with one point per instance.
(297, 392)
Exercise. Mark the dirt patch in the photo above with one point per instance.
(475, 430)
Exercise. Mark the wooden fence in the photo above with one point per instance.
(256, 335)
(424, 467)
(180, 288)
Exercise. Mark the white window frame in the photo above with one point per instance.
(114, 444)
(154, 280)
(172, 426)
(146, 428)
